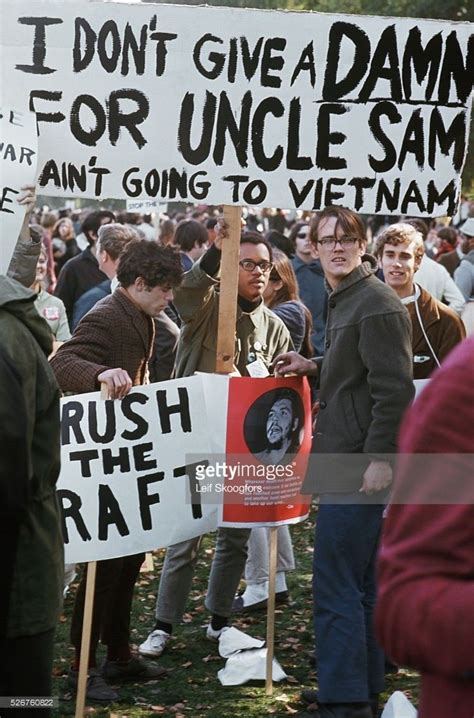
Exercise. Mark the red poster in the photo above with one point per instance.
(267, 451)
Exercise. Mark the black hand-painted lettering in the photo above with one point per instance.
(306, 63)
(255, 192)
(326, 138)
(39, 44)
(236, 180)
(238, 132)
(140, 456)
(299, 195)
(412, 196)
(49, 96)
(295, 161)
(70, 504)
(413, 141)
(91, 136)
(385, 52)
(110, 429)
(334, 89)
(145, 500)
(141, 425)
(128, 120)
(216, 58)
(161, 50)
(422, 61)
(455, 134)
(457, 67)
(110, 514)
(360, 184)
(200, 153)
(330, 195)
(181, 408)
(271, 62)
(72, 415)
(389, 110)
(198, 190)
(131, 46)
(387, 196)
(269, 106)
(190, 472)
(436, 198)
(5, 199)
(85, 36)
(250, 60)
(111, 461)
(85, 458)
(109, 41)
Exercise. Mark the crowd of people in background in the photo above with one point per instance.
(446, 271)
(100, 270)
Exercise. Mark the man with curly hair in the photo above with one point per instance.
(112, 345)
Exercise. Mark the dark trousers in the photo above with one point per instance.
(26, 664)
(115, 581)
(350, 662)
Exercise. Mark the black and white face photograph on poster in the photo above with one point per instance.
(274, 425)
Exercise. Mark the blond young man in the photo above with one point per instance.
(436, 327)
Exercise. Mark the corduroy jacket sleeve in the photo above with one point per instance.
(79, 361)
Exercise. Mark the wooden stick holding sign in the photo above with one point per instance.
(87, 620)
(228, 292)
(271, 610)
(85, 640)
(225, 365)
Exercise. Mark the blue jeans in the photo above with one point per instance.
(350, 662)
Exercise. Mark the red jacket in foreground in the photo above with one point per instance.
(425, 611)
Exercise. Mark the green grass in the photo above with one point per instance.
(192, 687)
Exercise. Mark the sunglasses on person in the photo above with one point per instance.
(249, 265)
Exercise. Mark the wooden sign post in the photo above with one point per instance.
(225, 365)
(85, 639)
(271, 610)
(228, 292)
(87, 620)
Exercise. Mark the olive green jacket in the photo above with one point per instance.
(38, 571)
(259, 334)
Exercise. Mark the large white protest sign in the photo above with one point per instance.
(125, 485)
(233, 106)
(157, 467)
(18, 157)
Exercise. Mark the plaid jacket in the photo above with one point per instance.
(115, 333)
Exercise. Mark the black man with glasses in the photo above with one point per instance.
(260, 336)
(365, 384)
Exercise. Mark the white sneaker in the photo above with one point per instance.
(155, 644)
(213, 635)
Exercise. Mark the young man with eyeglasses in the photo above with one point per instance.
(365, 383)
(259, 337)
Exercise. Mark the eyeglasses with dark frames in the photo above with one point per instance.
(249, 265)
(331, 242)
